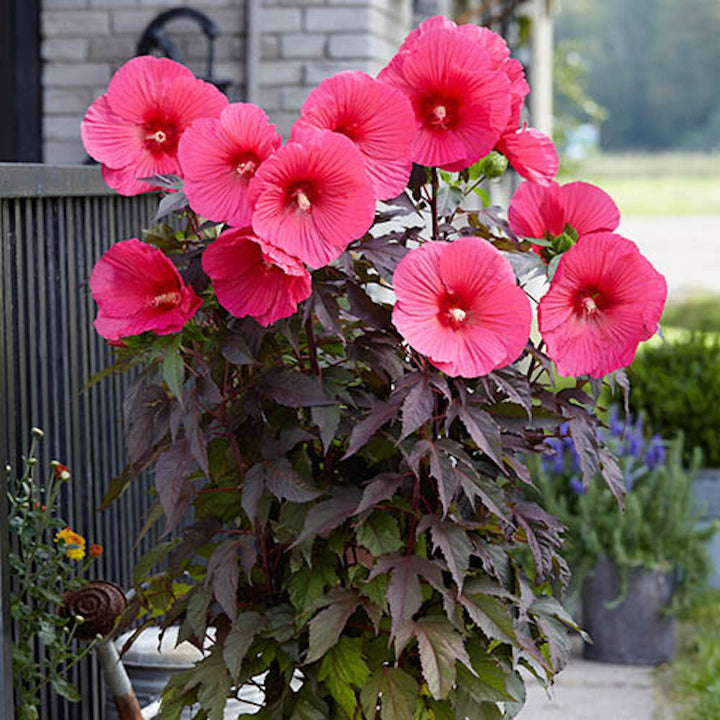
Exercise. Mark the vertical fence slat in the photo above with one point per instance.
(54, 225)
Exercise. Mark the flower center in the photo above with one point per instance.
(301, 200)
(589, 306)
(159, 137)
(165, 300)
(161, 134)
(590, 303)
(454, 311)
(245, 168)
(440, 112)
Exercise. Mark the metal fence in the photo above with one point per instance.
(55, 222)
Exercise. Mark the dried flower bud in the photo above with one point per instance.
(62, 472)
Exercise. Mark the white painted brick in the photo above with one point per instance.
(112, 4)
(297, 3)
(131, 21)
(76, 74)
(337, 19)
(351, 45)
(316, 72)
(112, 49)
(269, 99)
(75, 100)
(303, 45)
(63, 152)
(280, 20)
(281, 73)
(269, 47)
(65, 49)
(284, 122)
(64, 4)
(69, 23)
(232, 71)
(61, 127)
(292, 98)
(227, 47)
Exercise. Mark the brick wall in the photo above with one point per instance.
(304, 41)
(300, 42)
(85, 41)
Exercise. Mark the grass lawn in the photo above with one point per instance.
(654, 184)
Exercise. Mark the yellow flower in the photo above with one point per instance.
(74, 543)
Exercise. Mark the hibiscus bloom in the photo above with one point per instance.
(251, 277)
(220, 156)
(459, 304)
(134, 128)
(604, 299)
(376, 117)
(529, 151)
(537, 211)
(137, 288)
(456, 81)
(313, 198)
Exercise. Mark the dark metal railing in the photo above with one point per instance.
(55, 222)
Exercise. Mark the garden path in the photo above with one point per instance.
(587, 690)
(686, 249)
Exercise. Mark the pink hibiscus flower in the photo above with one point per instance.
(458, 87)
(134, 128)
(312, 198)
(459, 304)
(536, 211)
(220, 156)
(376, 117)
(251, 277)
(604, 299)
(137, 288)
(529, 151)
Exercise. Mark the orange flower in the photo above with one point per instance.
(96, 550)
(74, 543)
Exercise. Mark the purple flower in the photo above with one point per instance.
(655, 453)
(576, 485)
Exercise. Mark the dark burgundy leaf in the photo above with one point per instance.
(252, 491)
(384, 253)
(381, 413)
(236, 350)
(294, 389)
(363, 308)
(247, 546)
(285, 484)
(327, 310)
(327, 420)
(418, 406)
(483, 430)
(169, 204)
(613, 476)
(223, 575)
(197, 441)
(173, 489)
(327, 515)
(382, 487)
(515, 385)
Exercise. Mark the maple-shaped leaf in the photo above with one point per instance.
(344, 671)
(327, 515)
(172, 485)
(223, 575)
(453, 542)
(381, 487)
(326, 626)
(285, 483)
(441, 647)
(396, 691)
(483, 430)
(491, 615)
(418, 406)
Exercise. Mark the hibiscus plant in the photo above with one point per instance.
(340, 452)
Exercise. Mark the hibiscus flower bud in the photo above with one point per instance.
(494, 165)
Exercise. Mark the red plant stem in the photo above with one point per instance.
(433, 203)
(266, 565)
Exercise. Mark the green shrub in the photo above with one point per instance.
(677, 388)
(701, 313)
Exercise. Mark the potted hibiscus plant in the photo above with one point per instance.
(337, 387)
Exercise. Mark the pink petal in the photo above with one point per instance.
(587, 208)
(532, 154)
(108, 138)
(535, 209)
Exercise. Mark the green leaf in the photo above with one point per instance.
(492, 616)
(66, 689)
(483, 194)
(380, 534)
(341, 669)
(326, 626)
(151, 558)
(309, 707)
(307, 585)
(397, 690)
(239, 639)
(173, 368)
(213, 682)
(197, 608)
(440, 647)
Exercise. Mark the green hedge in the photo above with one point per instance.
(677, 388)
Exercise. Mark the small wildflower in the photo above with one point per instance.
(79, 619)
(62, 472)
(38, 433)
(74, 543)
(96, 550)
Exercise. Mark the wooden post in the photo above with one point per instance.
(541, 66)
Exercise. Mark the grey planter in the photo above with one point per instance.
(706, 490)
(635, 632)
